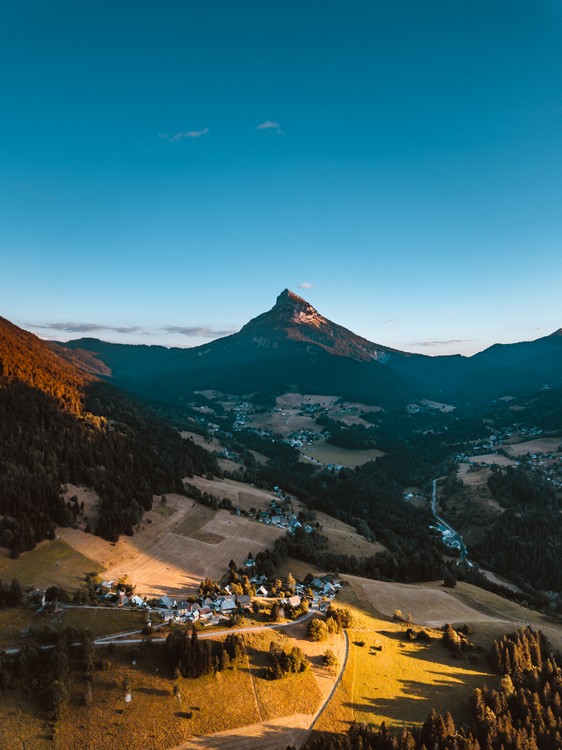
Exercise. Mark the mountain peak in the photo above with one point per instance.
(294, 309)
(289, 297)
(554, 333)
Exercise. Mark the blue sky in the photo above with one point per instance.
(168, 168)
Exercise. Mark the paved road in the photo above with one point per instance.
(456, 537)
(120, 639)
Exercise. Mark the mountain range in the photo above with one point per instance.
(292, 347)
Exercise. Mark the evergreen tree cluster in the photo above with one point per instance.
(525, 542)
(514, 487)
(45, 673)
(191, 657)
(59, 424)
(284, 662)
(126, 456)
(370, 494)
(10, 595)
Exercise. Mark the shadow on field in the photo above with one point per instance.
(437, 680)
(418, 697)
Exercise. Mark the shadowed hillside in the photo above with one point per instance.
(60, 425)
(292, 347)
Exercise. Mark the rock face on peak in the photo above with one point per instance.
(293, 318)
(297, 309)
(288, 309)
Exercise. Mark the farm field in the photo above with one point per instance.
(212, 445)
(298, 400)
(243, 495)
(539, 445)
(51, 562)
(472, 476)
(291, 418)
(427, 605)
(325, 453)
(284, 422)
(493, 458)
(172, 553)
(102, 621)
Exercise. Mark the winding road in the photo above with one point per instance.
(455, 536)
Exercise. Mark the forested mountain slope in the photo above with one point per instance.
(57, 425)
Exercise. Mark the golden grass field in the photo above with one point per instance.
(237, 701)
(173, 551)
(51, 562)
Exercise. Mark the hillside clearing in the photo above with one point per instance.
(325, 453)
(171, 554)
(539, 445)
(51, 562)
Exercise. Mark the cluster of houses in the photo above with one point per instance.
(214, 609)
(547, 463)
(300, 438)
(279, 514)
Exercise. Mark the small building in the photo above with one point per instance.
(122, 599)
(293, 601)
(165, 603)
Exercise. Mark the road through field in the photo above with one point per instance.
(287, 731)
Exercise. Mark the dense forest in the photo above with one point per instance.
(58, 425)
(525, 713)
(525, 542)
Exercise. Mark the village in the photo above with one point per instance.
(218, 604)
(538, 454)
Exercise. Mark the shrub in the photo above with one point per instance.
(317, 630)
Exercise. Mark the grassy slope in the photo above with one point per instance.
(401, 683)
(51, 562)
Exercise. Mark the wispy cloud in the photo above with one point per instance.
(83, 327)
(177, 137)
(203, 332)
(306, 285)
(445, 342)
(271, 126)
